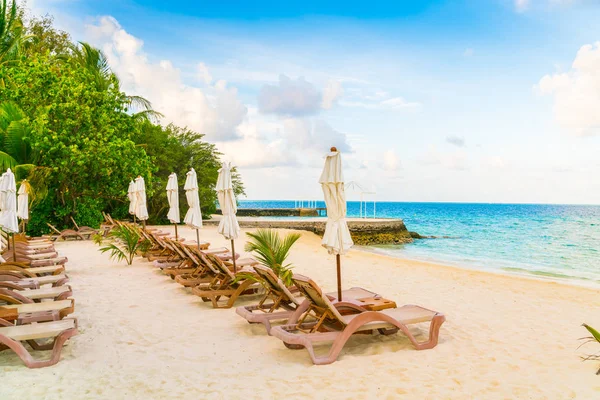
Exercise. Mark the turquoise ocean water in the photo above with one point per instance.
(553, 241)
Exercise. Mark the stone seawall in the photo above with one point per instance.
(363, 231)
(275, 212)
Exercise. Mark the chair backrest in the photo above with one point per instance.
(187, 253)
(13, 297)
(15, 268)
(205, 260)
(274, 283)
(219, 265)
(315, 295)
(53, 228)
(110, 219)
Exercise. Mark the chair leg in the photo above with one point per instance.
(26, 357)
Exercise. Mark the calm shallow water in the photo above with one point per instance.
(556, 241)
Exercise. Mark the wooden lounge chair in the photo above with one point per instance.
(329, 325)
(36, 260)
(280, 303)
(29, 311)
(65, 234)
(86, 231)
(11, 337)
(54, 280)
(187, 266)
(32, 272)
(204, 271)
(52, 293)
(227, 284)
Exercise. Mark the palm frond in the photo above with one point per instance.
(138, 102)
(125, 242)
(6, 161)
(271, 251)
(147, 115)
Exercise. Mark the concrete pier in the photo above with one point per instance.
(363, 231)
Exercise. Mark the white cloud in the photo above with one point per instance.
(254, 150)
(394, 103)
(494, 162)
(331, 93)
(203, 74)
(215, 111)
(290, 98)
(468, 52)
(576, 93)
(521, 5)
(391, 162)
(314, 135)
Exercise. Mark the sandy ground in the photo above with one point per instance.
(143, 336)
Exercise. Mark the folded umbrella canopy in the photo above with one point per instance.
(336, 239)
(141, 209)
(8, 215)
(193, 217)
(173, 198)
(228, 227)
(23, 203)
(132, 197)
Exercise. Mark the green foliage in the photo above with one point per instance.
(11, 31)
(174, 149)
(125, 242)
(66, 126)
(44, 39)
(272, 250)
(594, 338)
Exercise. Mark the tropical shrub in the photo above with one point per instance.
(124, 243)
(271, 250)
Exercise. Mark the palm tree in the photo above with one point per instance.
(11, 30)
(125, 243)
(95, 62)
(15, 151)
(272, 250)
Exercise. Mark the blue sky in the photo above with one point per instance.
(486, 101)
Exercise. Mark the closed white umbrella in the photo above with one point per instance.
(8, 215)
(132, 198)
(193, 217)
(141, 209)
(228, 227)
(23, 203)
(336, 239)
(173, 198)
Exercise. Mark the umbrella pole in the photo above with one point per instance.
(198, 238)
(14, 249)
(233, 256)
(144, 225)
(339, 276)
(176, 236)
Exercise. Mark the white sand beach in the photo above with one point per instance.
(144, 336)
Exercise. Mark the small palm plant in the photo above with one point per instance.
(594, 338)
(124, 243)
(272, 250)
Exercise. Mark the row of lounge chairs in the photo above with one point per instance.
(300, 315)
(34, 301)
